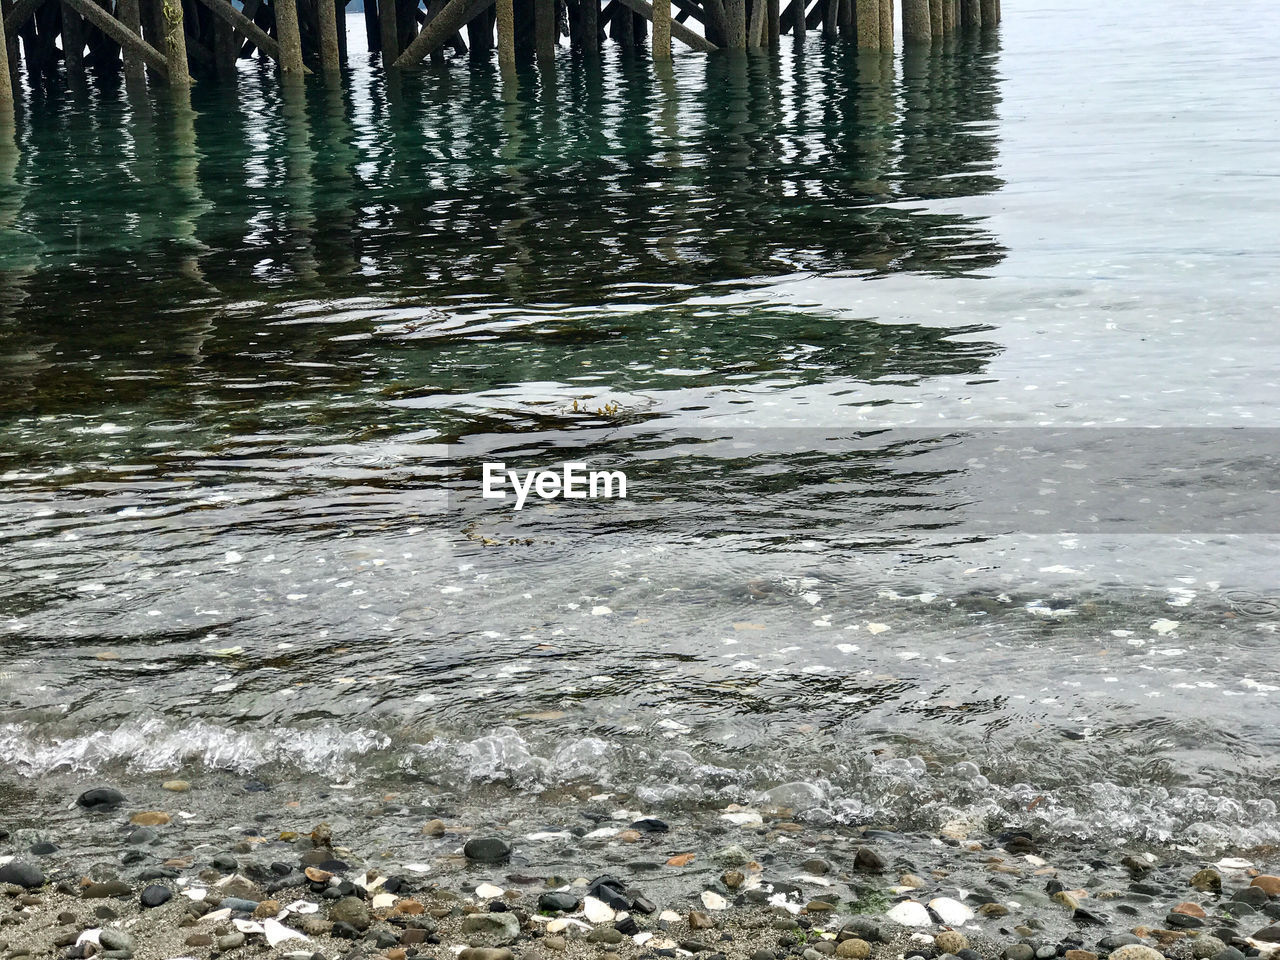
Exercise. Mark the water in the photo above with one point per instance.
(881, 344)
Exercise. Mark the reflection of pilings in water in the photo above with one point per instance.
(299, 179)
(671, 158)
(18, 254)
(6, 86)
(184, 177)
(512, 151)
(335, 135)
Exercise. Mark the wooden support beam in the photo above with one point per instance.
(988, 13)
(772, 22)
(867, 14)
(915, 22)
(372, 35)
(20, 14)
(544, 32)
(390, 31)
(175, 40)
(970, 13)
(660, 49)
(290, 37)
(72, 42)
(121, 34)
(6, 84)
(441, 28)
(505, 22)
(948, 16)
(886, 25)
(935, 17)
(326, 13)
(678, 30)
(257, 36)
(590, 13)
(830, 18)
(735, 19)
(130, 14)
(756, 23)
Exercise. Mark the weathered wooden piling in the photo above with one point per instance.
(935, 18)
(948, 16)
(989, 14)
(916, 15)
(72, 43)
(6, 82)
(175, 38)
(868, 23)
(886, 25)
(330, 57)
(290, 37)
(970, 13)
(661, 46)
(544, 32)
(506, 26)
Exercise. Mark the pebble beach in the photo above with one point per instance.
(606, 881)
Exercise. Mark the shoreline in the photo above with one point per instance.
(623, 884)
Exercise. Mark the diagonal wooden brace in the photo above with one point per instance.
(121, 34)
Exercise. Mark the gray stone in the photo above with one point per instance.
(503, 926)
(1136, 951)
(113, 938)
(352, 911)
(107, 888)
(238, 904)
(100, 798)
(486, 953)
(156, 894)
(558, 902)
(868, 860)
(231, 941)
(1206, 947)
(1019, 951)
(23, 874)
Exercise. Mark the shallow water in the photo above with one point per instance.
(880, 342)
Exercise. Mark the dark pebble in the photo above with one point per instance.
(1231, 953)
(867, 859)
(1089, 918)
(641, 904)
(155, 895)
(100, 798)
(487, 849)
(1019, 951)
(627, 926)
(650, 825)
(558, 902)
(43, 848)
(1116, 941)
(140, 836)
(345, 931)
(238, 905)
(1254, 896)
(226, 863)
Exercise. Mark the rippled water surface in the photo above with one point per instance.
(881, 342)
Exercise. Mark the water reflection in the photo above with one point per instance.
(737, 166)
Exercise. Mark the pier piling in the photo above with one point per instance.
(916, 15)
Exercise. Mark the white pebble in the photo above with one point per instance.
(597, 911)
(910, 913)
(713, 901)
(951, 911)
(487, 891)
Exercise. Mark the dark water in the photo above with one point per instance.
(880, 341)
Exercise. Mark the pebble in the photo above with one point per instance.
(486, 953)
(156, 894)
(868, 860)
(1135, 951)
(854, 949)
(176, 786)
(1207, 880)
(555, 943)
(950, 911)
(100, 798)
(199, 940)
(487, 849)
(107, 888)
(1206, 947)
(1079, 955)
(352, 911)
(1268, 883)
(149, 818)
(231, 941)
(22, 874)
(911, 913)
(700, 921)
(1019, 951)
(433, 828)
(605, 935)
(951, 941)
(500, 926)
(112, 938)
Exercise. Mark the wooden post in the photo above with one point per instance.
(915, 22)
(340, 24)
(735, 15)
(130, 14)
(72, 43)
(970, 13)
(756, 23)
(372, 34)
(256, 35)
(935, 17)
(886, 25)
(830, 18)
(175, 40)
(590, 10)
(121, 34)
(6, 83)
(797, 22)
(330, 61)
(988, 8)
(678, 30)
(868, 16)
(544, 32)
(290, 37)
(948, 16)
(661, 48)
(390, 41)
(506, 24)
